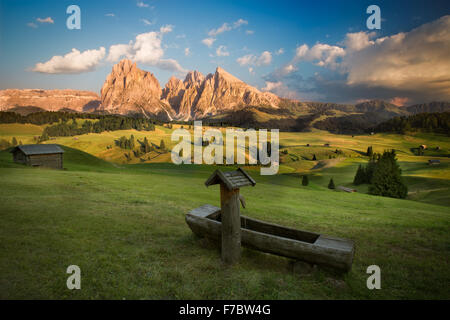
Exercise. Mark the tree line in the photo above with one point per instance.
(425, 122)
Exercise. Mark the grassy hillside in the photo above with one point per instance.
(124, 226)
(427, 184)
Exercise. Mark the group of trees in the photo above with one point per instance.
(125, 143)
(426, 122)
(143, 148)
(4, 144)
(65, 128)
(383, 174)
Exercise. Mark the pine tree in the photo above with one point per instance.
(314, 157)
(331, 184)
(305, 180)
(146, 146)
(132, 145)
(360, 176)
(162, 145)
(369, 152)
(14, 141)
(387, 180)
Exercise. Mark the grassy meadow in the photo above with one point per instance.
(123, 222)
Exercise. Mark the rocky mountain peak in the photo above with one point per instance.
(194, 78)
(130, 90)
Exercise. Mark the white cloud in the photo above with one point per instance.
(279, 51)
(250, 59)
(358, 40)
(272, 85)
(227, 27)
(187, 52)
(147, 22)
(32, 25)
(249, 31)
(147, 49)
(280, 89)
(208, 42)
(110, 15)
(239, 23)
(45, 20)
(73, 62)
(166, 29)
(142, 4)
(214, 32)
(323, 54)
(222, 51)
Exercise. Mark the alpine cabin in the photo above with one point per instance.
(39, 155)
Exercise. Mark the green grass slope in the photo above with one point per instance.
(125, 228)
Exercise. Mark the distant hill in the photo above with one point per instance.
(429, 107)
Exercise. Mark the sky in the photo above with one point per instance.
(305, 50)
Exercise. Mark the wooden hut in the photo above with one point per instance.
(350, 190)
(39, 155)
(434, 162)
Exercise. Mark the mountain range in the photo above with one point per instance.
(217, 97)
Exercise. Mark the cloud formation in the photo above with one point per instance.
(73, 62)
(142, 4)
(208, 42)
(412, 65)
(227, 27)
(45, 20)
(252, 60)
(222, 51)
(147, 49)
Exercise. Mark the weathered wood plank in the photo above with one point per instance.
(231, 225)
(329, 251)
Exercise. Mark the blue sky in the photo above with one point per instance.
(253, 34)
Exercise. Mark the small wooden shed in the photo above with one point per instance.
(39, 155)
(350, 190)
(434, 162)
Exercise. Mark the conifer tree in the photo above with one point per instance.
(387, 180)
(14, 141)
(359, 176)
(369, 152)
(162, 145)
(331, 184)
(305, 180)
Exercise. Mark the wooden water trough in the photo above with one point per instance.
(212, 222)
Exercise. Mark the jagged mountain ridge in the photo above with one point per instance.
(217, 97)
(129, 90)
(49, 100)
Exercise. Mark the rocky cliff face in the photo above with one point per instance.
(49, 100)
(129, 90)
(223, 92)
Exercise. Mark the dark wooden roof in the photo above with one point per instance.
(31, 149)
(231, 179)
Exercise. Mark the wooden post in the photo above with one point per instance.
(231, 225)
